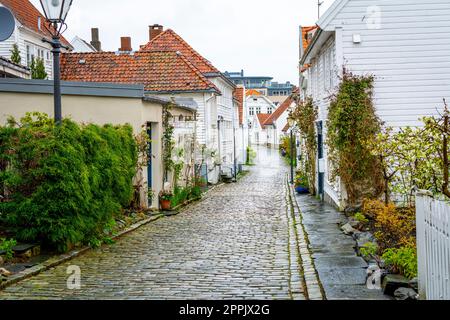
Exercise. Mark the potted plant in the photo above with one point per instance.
(165, 199)
(301, 184)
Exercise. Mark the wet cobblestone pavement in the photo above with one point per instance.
(232, 245)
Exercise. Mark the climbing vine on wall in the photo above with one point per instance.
(167, 139)
(305, 114)
(351, 123)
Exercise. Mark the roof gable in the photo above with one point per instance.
(158, 71)
(28, 15)
(169, 40)
(331, 13)
(280, 110)
(262, 117)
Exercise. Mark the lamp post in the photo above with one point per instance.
(56, 13)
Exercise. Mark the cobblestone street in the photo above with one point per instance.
(232, 245)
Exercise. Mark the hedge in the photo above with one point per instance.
(64, 185)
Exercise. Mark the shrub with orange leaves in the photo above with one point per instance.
(394, 227)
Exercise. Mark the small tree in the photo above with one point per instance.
(38, 69)
(15, 54)
(384, 147)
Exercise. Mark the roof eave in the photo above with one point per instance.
(182, 91)
(330, 14)
(222, 76)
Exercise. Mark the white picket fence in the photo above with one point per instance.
(433, 246)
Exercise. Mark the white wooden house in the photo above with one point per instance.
(258, 110)
(405, 44)
(216, 108)
(28, 35)
(278, 121)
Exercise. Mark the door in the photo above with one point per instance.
(320, 156)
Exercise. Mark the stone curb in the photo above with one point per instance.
(58, 260)
(314, 287)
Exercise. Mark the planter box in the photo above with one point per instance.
(302, 190)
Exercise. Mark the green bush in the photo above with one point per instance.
(361, 218)
(251, 156)
(64, 183)
(7, 246)
(403, 261)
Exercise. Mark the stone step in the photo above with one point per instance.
(24, 250)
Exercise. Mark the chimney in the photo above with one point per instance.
(155, 30)
(125, 43)
(96, 40)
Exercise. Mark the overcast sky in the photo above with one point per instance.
(259, 36)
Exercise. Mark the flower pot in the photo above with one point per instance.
(165, 204)
(301, 190)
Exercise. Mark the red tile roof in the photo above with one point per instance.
(286, 127)
(28, 15)
(262, 118)
(238, 94)
(306, 42)
(305, 32)
(158, 71)
(253, 92)
(169, 40)
(281, 109)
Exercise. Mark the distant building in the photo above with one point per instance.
(262, 84)
(82, 46)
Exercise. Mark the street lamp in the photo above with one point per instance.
(292, 124)
(55, 13)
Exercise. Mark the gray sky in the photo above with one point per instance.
(259, 36)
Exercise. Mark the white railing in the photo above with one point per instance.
(433, 246)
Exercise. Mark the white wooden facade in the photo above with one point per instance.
(257, 104)
(211, 108)
(30, 46)
(403, 43)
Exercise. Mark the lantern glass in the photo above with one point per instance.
(56, 10)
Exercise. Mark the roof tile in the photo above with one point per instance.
(280, 110)
(169, 40)
(158, 71)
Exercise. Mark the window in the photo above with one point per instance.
(270, 110)
(252, 111)
(258, 110)
(41, 54)
(30, 55)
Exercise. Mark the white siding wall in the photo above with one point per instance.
(225, 109)
(406, 47)
(324, 79)
(408, 54)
